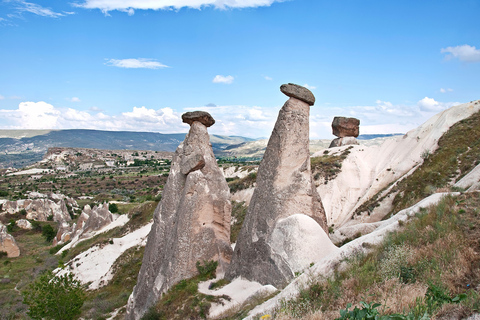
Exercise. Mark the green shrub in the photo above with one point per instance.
(48, 232)
(54, 297)
(112, 207)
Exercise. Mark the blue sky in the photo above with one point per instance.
(139, 64)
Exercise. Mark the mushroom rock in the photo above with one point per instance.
(285, 196)
(191, 223)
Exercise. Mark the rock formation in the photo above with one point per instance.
(8, 243)
(191, 223)
(346, 129)
(90, 220)
(24, 224)
(286, 214)
(39, 209)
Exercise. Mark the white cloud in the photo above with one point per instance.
(442, 90)
(268, 78)
(41, 115)
(463, 53)
(309, 87)
(23, 6)
(74, 99)
(136, 63)
(130, 5)
(223, 79)
(1, 97)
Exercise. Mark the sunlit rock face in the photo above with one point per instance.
(284, 188)
(8, 243)
(191, 223)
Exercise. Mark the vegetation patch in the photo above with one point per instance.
(239, 211)
(183, 301)
(243, 183)
(115, 294)
(327, 167)
(429, 269)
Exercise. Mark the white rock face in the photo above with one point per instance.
(191, 223)
(39, 209)
(8, 243)
(471, 181)
(90, 221)
(299, 241)
(24, 224)
(369, 169)
(94, 265)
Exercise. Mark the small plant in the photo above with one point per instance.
(112, 207)
(48, 232)
(54, 297)
(368, 311)
(207, 270)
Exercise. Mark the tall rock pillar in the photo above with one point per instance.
(285, 226)
(191, 223)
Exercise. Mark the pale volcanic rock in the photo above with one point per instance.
(8, 243)
(24, 224)
(345, 141)
(39, 209)
(204, 117)
(301, 93)
(90, 221)
(284, 188)
(345, 127)
(191, 223)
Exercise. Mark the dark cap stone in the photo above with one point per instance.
(298, 92)
(201, 116)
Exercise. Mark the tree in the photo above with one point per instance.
(48, 232)
(54, 297)
(112, 207)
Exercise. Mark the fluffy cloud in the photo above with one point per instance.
(268, 78)
(254, 122)
(442, 90)
(130, 5)
(74, 99)
(135, 63)
(223, 79)
(463, 53)
(430, 105)
(41, 115)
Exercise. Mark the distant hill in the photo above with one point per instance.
(19, 148)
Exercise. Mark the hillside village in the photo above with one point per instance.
(295, 236)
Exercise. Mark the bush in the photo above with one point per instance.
(48, 232)
(112, 207)
(54, 297)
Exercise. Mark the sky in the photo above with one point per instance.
(138, 65)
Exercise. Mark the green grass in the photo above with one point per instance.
(239, 210)
(16, 273)
(431, 266)
(115, 295)
(327, 166)
(243, 183)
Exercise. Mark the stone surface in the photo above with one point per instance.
(8, 243)
(345, 127)
(345, 141)
(204, 117)
(298, 92)
(39, 209)
(284, 188)
(24, 224)
(191, 223)
(90, 220)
